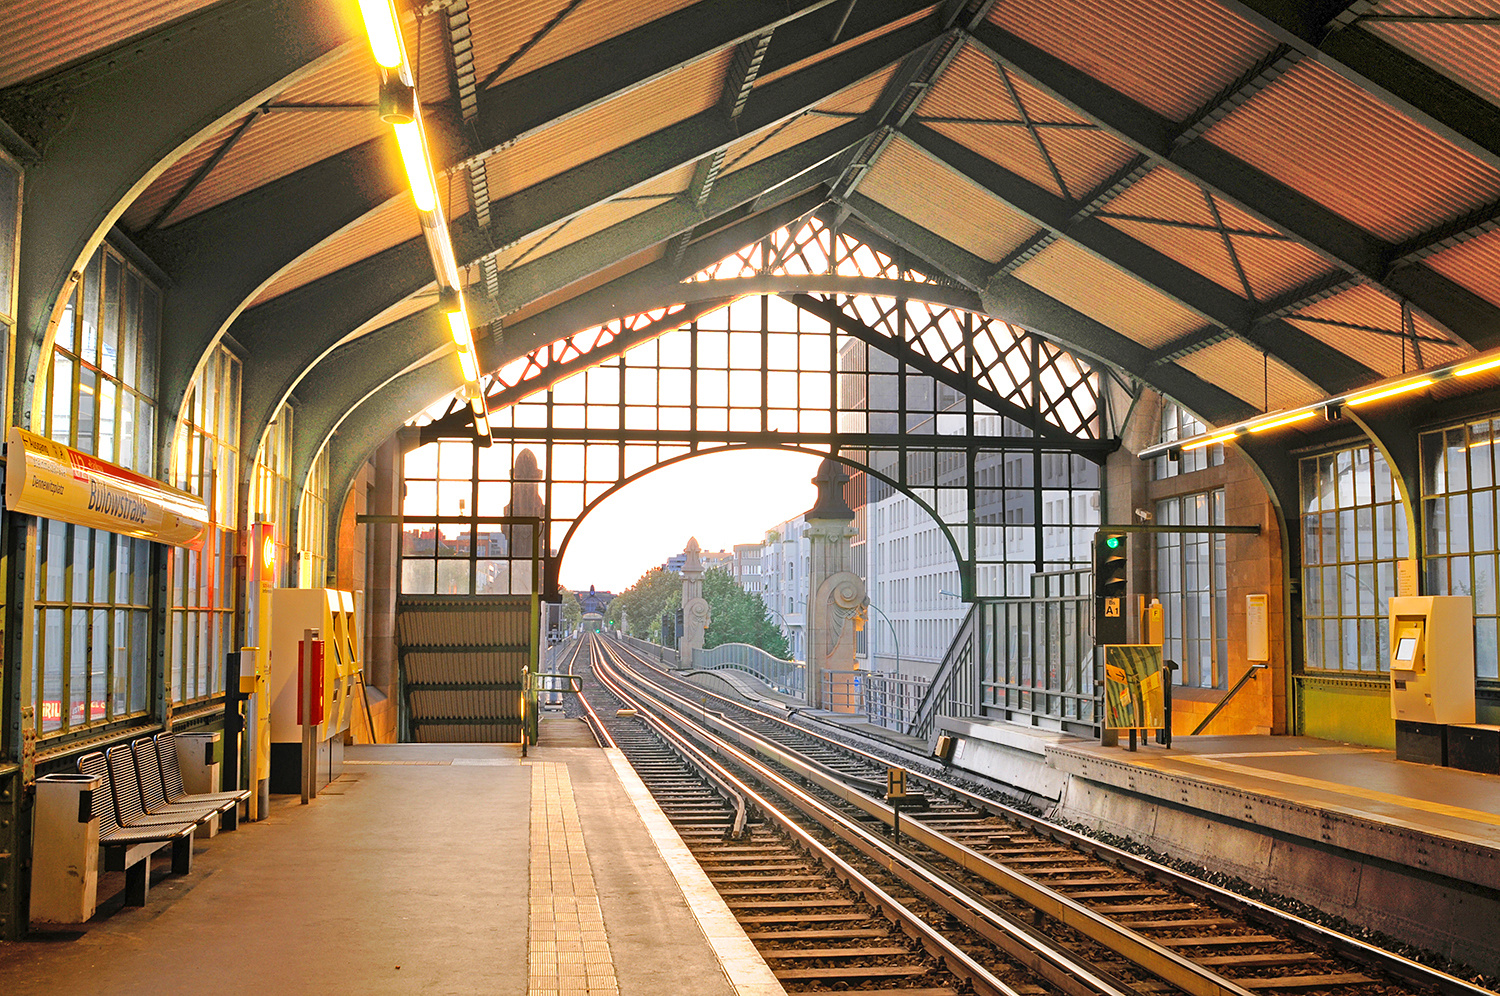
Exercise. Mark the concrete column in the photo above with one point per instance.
(836, 595)
(695, 612)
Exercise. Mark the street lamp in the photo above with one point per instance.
(894, 638)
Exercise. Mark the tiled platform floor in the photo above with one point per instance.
(425, 868)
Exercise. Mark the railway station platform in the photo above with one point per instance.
(1410, 850)
(425, 868)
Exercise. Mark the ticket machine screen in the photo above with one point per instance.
(1406, 648)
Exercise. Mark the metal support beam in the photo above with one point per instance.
(1332, 370)
(94, 162)
(1335, 239)
(1011, 300)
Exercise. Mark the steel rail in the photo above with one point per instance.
(600, 731)
(1162, 962)
(1024, 944)
(1357, 950)
(733, 795)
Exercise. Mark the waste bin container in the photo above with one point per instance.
(65, 856)
(200, 757)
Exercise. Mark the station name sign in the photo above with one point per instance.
(58, 482)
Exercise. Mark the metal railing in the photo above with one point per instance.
(1036, 655)
(1024, 659)
(666, 655)
(892, 700)
(953, 689)
(786, 677)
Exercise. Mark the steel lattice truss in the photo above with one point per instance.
(996, 433)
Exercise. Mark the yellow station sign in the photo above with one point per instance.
(58, 482)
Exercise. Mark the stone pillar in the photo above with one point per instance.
(836, 595)
(695, 614)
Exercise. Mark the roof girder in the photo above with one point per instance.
(1326, 366)
(1012, 300)
(1315, 227)
(365, 417)
(288, 335)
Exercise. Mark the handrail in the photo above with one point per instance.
(925, 717)
(1225, 700)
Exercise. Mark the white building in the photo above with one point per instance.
(786, 558)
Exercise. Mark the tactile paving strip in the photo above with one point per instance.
(568, 951)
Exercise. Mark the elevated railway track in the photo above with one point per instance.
(970, 896)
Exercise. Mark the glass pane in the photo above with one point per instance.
(418, 577)
(453, 577)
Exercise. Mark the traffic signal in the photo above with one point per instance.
(1109, 588)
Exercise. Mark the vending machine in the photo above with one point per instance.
(1432, 659)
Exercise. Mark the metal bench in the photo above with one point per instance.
(129, 848)
(171, 776)
(152, 775)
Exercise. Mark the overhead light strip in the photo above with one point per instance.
(401, 108)
(1394, 387)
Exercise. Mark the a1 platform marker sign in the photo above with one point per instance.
(1109, 588)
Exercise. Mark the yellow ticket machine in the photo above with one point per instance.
(1432, 659)
(330, 613)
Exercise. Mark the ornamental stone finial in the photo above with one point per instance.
(830, 479)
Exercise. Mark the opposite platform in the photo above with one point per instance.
(425, 868)
(1408, 849)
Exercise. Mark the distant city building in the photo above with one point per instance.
(747, 569)
(709, 558)
(786, 558)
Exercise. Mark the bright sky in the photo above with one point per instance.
(722, 499)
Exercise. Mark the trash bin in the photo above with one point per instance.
(65, 857)
(200, 757)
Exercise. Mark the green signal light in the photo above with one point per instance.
(1112, 542)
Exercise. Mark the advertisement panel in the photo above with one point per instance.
(1134, 697)
(58, 482)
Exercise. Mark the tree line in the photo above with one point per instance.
(736, 615)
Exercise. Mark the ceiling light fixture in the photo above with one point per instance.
(384, 32)
(401, 108)
(1331, 408)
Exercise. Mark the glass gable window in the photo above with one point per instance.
(206, 463)
(1192, 585)
(91, 648)
(1353, 532)
(1458, 517)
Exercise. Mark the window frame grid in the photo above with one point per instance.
(1440, 558)
(1365, 629)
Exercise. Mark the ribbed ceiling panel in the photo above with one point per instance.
(39, 37)
(1474, 264)
(145, 208)
(389, 225)
(1318, 134)
(1271, 264)
(1371, 331)
(910, 183)
(503, 27)
(1107, 294)
(1171, 55)
(1469, 54)
(589, 135)
(1239, 368)
(282, 140)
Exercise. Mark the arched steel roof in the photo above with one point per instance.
(1242, 203)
